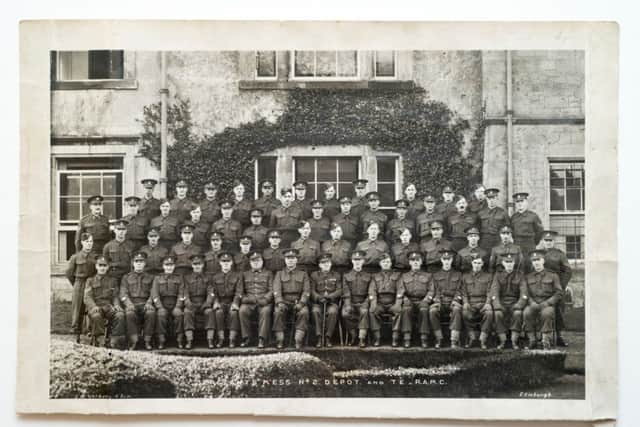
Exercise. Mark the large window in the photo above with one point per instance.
(384, 64)
(89, 65)
(387, 181)
(340, 172)
(567, 203)
(266, 64)
(325, 64)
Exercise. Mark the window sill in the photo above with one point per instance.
(126, 84)
(308, 84)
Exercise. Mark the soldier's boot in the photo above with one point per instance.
(531, 341)
(232, 338)
(515, 337)
(117, 342)
(438, 339)
(455, 339)
(376, 338)
(210, 341)
(318, 341)
(299, 338)
(147, 343)
(362, 338)
(133, 342)
(353, 335)
(327, 341)
(471, 340)
(407, 340)
(483, 340)
(423, 341)
(77, 338)
(279, 340)
(395, 337)
(161, 341)
(244, 342)
(220, 342)
(560, 342)
(189, 336)
(503, 340)
(180, 341)
(260, 342)
(546, 340)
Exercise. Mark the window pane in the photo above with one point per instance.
(73, 65)
(106, 64)
(70, 209)
(266, 63)
(557, 178)
(347, 169)
(386, 169)
(345, 190)
(326, 63)
(69, 185)
(304, 63)
(573, 200)
(557, 200)
(109, 185)
(304, 170)
(347, 63)
(110, 208)
(385, 63)
(314, 191)
(326, 169)
(90, 184)
(91, 163)
(387, 194)
(67, 245)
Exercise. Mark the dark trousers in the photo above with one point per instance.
(102, 315)
(281, 311)
(476, 313)
(189, 314)
(139, 317)
(545, 315)
(415, 310)
(226, 319)
(356, 316)
(77, 305)
(508, 318)
(164, 316)
(437, 310)
(331, 318)
(375, 316)
(264, 319)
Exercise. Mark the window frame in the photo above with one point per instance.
(127, 82)
(266, 78)
(374, 67)
(551, 162)
(292, 68)
(315, 172)
(396, 183)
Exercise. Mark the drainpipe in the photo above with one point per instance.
(164, 91)
(509, 134)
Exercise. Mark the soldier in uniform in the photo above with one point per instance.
(467, 254)
(400, 251)
(230, 229)
(103, 305)
(242, 206)
(181, 205)
(556, 261)
(447, 207)
(241, 258)
(459, 222)
(267, 203)
(423, 230)
(227, 288)
(492, 218)
(479, 200)
(348, 221)
(183, 251)
(326, 290)
(154, 251)
(308, 249)
(385, 295)
(359, 202)
(544, 292)
(508, 298)
(319, 222)
(301, 201)
(373, 247)
(257, 296)
(272, 256)
(399, 223)
(374, 213)
(286, 218)
(81, 266)
(331, 204)
(415, 303)
(432, 248)
(166, 224)
(137, 223)
(96, 224)
(210, 206)
(445, 295)
(476, 302)
(505, 247)
(118, 251)
(339, 249)
(200, 227)
(415, 206)
(197, 298)
(135, 294)
(355, 296)
(291, 291)
(256, 230)
(527, 226)
(149, 205)
(212, 263)
(167, 289)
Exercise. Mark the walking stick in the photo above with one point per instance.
(324, 319)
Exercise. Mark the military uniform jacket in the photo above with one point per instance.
(181, 208)
(135, 288)
(331, 208)
(395, 228)
(373, 250)
(467, 254)
(400, 252)
(495, 259)
(273, 259)
(326, 284)
(183, 253)
(355, 287)
(376, 216)
(476, 288)
(118, 254)
(227, 287)
(291, 286)
(544, 287)
(149, 208)
(350, 225)
(242, 210)
(268, 205)
(556, 261)
(231, 229)
(386, 287)
(304, 206)
(459, 222)
(286, 218)
(423, 230)
(210, 210)
(211, 261)
(96, 225)
(527, 225)
(154, 258)
(340, 251)
(197, 290)
(81, 266)
(446, 287)
(431, 249)
(167, 227)
(258, 235)
(137, 227)
(101, 291)
(446, 209)
(241, 262)
(509, 289)
(358, 206)
(166, 290)
(476, 205)
(416, 207)
(319, 229)
(416, 285)
(257, 284)
(492, 220)
(309, 250)
(201, 233)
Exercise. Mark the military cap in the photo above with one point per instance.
(360, 183)
(491, 192)
(518, 197)
(187, 227)
(414, 255)
(447, 189)
(402, 204)
(505, 229)
(274, 233)
(139, 256)
(507, 257)
(435, 224)
(181, 183)
(245, 240)
(255, 255)
(210, 186)
(226, 204)
(153, 231)
(196, 259)
(537, 254)
(345, 199)
(384, 256)
(96, 199)
(324, 257)
(429, 198)
(372, 195)
(257, 212)
(472, 230)
(225, 256)
(216, 235)
(101, 260)
(291, 253)
(549, 234)
(358, 255)
(285, 190)
(120, 223)
(132, 200)
(267, 184)
(149, 182)
(169, 259)
(300, 185)
(317, 204)
(446, 253)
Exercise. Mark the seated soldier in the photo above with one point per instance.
(291, 291)
(544, 292)
(135, 294)
(476, 302)
(508, 297)
(103, 304)
(211, 261)
(272, 256)
(197, 299)
(227, 288)
(400, 250)
(257, 295)
(326, 289)
(385, 295)
(445, 292)
(339, 249)
(373, 247)
(167, 289)
(415, 303)
(355, 311)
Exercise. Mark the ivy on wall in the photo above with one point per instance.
(427, 134)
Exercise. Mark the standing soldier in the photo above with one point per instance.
(197, 299)
(544, 292)
(103, 305)
(291, 292)
(138, 223)
(355, 311)
(211, 260)
(229, 228)
(359, 201)
(183, 251)
(476, 303)
(423, 220)
(209, 205)
(459, 222)
(331, 204)
(527, 226)
(472, 251)
(118, 251)
(445, 293)
(200, 227)
(81, 266)
(415, 206)
(509, 297)
(149, 205)
(374, 213)
(415, 303)
(326, 289)
(135, 294)
(241, 258)
(167, 289)
(505, 247)
(479, 200)
(257, 296)
(96, 224)
(385, 295)
(166, 224)
(492, 219)
(399, 223)
(181, 205)
(286, 218)
(339, 249)
(556, 261)
(319, 222)
(432, 248)
(155, 252)
(227, 288)
(373, 247)
(301, 201)
(348, 221)
(267, 202)
(447, 207)
(400, 251)
(308, 249)
(272, 256)
(242, 206)
(256, 230)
